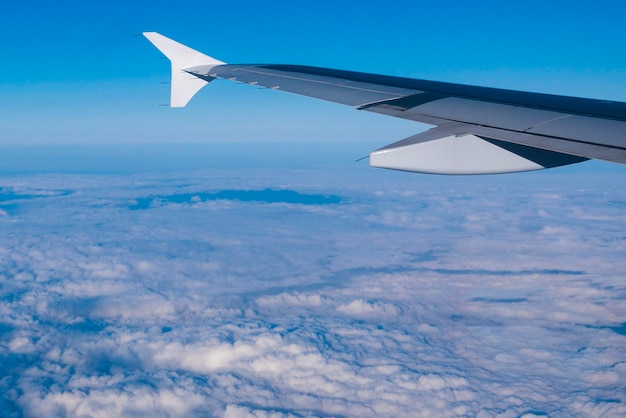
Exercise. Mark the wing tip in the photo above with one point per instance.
(185, 83)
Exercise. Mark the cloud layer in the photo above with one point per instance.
(379, 294)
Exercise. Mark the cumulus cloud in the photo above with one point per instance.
(360, 307)
(402, 296)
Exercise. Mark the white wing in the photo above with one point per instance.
(478, 130)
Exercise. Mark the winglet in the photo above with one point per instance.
(185, 84)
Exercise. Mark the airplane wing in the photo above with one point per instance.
(477, 130)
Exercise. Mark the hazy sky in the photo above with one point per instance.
(73, 72)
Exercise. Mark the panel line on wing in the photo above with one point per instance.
(328, 83)
(405, 103)
(623, 148)
(542, 141)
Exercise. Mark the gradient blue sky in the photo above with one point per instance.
(73, 72)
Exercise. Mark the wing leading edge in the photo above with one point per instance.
(478, 130)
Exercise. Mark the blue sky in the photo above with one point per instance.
(74, 73)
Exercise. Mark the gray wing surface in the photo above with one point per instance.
(477, 130)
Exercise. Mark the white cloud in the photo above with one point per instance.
(446, 296)
(135, 400)
(297, 299)
(362, 307)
